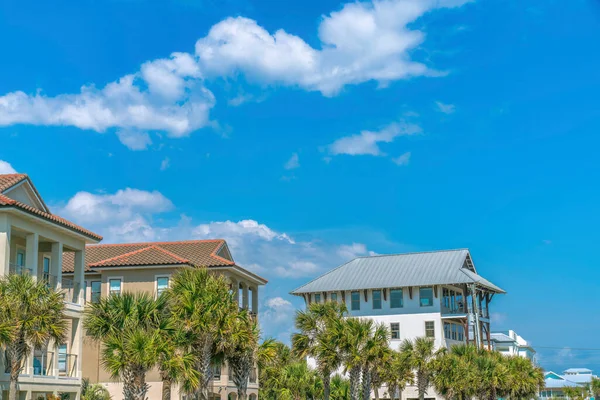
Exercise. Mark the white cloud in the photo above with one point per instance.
(367, 142)
(293, 162)
(403, 159)
(6, 168)
(445, 108)
(277, 317)
(349, 252)
(362, 42)
(166, 95)
(134, 140)
(123, 216)
(166, 163)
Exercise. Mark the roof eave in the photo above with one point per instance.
(89, 239)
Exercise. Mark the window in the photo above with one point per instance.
(426, 296)
(216, 371)
(396, 299)
(96, 289)
(162, 283)
(84, 291)
(430, 329)
(62, 358)
(114, 286)
(376, 299)
(317, 298)
(355, 301)
(395, 330)
(20, 258)
(46, 272)
(333, 296)
(454, 332)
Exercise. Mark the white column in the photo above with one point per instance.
(79, 275)
(4, 245)
(245, 296)
(235, 289)
(56, 266)
(53, 346)
(32, 253)
(77, 345)
(255, 299)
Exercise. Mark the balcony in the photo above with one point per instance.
(462, 311)
(71, 289)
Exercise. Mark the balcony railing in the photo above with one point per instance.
(461, 310)
(19, 269)
(70, 290)
(42, 362)
(67, 365)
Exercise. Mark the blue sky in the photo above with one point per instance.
(306, 133)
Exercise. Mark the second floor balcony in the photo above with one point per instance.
(70, 288)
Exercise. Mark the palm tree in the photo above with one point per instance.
(174, 363)
(376, 352)
(316, 340)
(340, 388)
(273, 357)
(454, 375)
(396, 373)
(204, 309)
(595, 387)
(298, 382)
(37, 314)
(242, 353)
(420, 354)
(524, 379)
(129, 328)
(352, 336)
(93, 391)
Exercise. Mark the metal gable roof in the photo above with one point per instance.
(399, 270)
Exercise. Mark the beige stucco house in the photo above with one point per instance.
(134, 267)
(34, 241)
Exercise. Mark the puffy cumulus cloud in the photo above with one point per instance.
(125, 215)
(6, 168)
(361, 42)
(277, 318)
(165, 95)
(367, 142)
(368, 41)
(276, 254)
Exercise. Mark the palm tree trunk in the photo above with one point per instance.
(204, 362)
(326, 378)
(366, 383)
(166, 388)
(421, 385)
(12, 388)
(355, 383)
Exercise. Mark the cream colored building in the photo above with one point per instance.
(135, 267)
(34, 241)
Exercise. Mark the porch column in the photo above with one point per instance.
(255, 299)
(32, 253)
(78, 276)
(56, 263)
(4, 245)
(235, 289)
(54, 347)
(77, 344)
(245, 296)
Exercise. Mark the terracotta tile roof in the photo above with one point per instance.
(9, 180)
(201, 253)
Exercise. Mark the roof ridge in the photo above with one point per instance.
(138, 251)
(175, 256)
(413, 252)
(157, 243)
